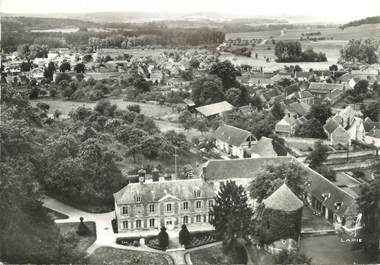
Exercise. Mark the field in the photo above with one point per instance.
(363, 31)
(105, 255)
(330, 47)
(65, 106)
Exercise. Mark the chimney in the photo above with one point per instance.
(141, 174)
(155, 174)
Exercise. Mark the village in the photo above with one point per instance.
(145, 154)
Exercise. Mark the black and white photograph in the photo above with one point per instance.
(171, 132)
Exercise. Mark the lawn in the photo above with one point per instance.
(211, 255)
(106, 255)
(330, 250)
(84, 242)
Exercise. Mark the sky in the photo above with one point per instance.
(339, 9)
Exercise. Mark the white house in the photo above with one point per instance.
(233, 141)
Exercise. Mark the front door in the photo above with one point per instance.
(169, 223)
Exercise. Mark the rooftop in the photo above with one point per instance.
(216, 108)
(283, 199)
(231, 135)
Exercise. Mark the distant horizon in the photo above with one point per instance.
(336, 11)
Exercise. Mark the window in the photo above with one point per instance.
(151, 222)
(168, 207)
(210, 217)
(125, 210)
(198, 204)
(198, 218)
(210, 203)
(197, 193)
(138, 198)
(151, 208)
(138, 223)
(185, 219)
(185, 205)
(125, 224)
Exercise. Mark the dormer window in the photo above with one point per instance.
(197, 193)
(138, 198)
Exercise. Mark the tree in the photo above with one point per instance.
(207, 90)
(132, 138)
(184, 236)
(134, 108)
(186, 119)
(311, 129)
(277, 110)
(104, 107)
(141, 84)
(163, 238)
(318, 155)
(361, 87)
(23, 51)
(372, 111)
(227, 72)
(279, 145)
(65, 66)
(288, 51)
(187, 75)
(327, 172)
(177, 139)
(360, 50)
(231, 215)
(201, 126)
(49, 71)
(87, 58)
(233, 96)
(62, 77)
(368, 202)
(80, 68)
(320, 112)
(269, 180)
(257, 102)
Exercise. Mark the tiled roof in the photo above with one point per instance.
(320, 185)
(154, 191)
(324, 87)
(303, 94)
(239, 168)
(283, 199)
(330, 125)
(264, 148)
(301, 109)
(231, 135)
(215, 108)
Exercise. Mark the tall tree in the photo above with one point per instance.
(318, 155)
(227, 72)
(311, 129)
(270, 179)
(320, 112)
(231, 215)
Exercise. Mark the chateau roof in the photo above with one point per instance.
(156, 191)
(283, 199)
(239, 168)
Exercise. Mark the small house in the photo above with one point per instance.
(212, 110)
(233, 141)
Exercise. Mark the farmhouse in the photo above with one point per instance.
(287, 126)
(297, 110)
(331, 92)
(215, 109)
(233, 141)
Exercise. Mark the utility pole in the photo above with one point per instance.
(175, 162)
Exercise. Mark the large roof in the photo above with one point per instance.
(231, 135)
(330, 125)
(239, 168)
(301, 109)
(156, 191)
(324, 87)
(264, 147)
(216, 108)
(283, 199)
